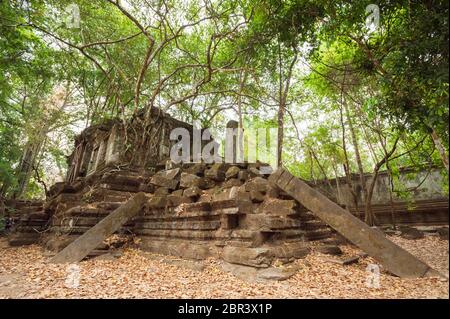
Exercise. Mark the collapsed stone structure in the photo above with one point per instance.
(194, 210)
(124, 183)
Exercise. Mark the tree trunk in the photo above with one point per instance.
(347, 163)
(283, 96)
(362, 180)
(368, 201)
(338, 184)
(440, 147)
(240, 137)
(25, 169)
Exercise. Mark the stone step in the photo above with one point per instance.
(94, 236)
(179, 225)
(78, 230)
(29, 229)
(124, 179)
(86, 211)
(31, 209)
(23, 239)
(313, 225)
(86, 221)
(180, 234)
(108, 205)
(318, 234)
(97, 252)
(120, 187)
(116, 198)
(106, 195)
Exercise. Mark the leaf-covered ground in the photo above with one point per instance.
(25, 273)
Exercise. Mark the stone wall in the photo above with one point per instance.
(429, 187)
(112, 144)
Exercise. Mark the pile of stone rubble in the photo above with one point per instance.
(194, 210)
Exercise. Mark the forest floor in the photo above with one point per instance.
(26, 273)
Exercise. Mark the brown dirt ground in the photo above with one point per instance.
(26, 273)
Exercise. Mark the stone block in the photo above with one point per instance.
(278, 207)
(192, 192)
(167, 178)
(216, 172)
(243, 175)
(157, 202)
(255, 257)
(256, 196)
(253, 172)
(178, 192)
(175, 200)
(190, 180)
(196, 169)
(232, 172)
(329, 250)
(162, 191)
(258, 184)
(232, 182)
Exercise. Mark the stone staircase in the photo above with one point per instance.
(29, 221)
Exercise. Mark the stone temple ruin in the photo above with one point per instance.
(192, 210)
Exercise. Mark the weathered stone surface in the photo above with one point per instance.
(345, 261)
(146, 188)
(255, 257)
(178, 192)
(276, 273)
(196, 169)
(123, 179)
(410, 232)
(259, 275)
(232, 182)
(232, 172)
(56, 189)
(205, 198)
(157, 202)
(216, 172)
(167, 179)
(175, 200)
(253, 172)
(208, 183)
(23, 239)
(243, 176)
(162, 191)
(182, 225)
(290, 251)
(256, 197)
(172, 165)
(190, 180)
(221, 194)
(177, 248)
(229, 221)
(120, 187)
(192, 192)
(81, 247)
(258, 184)
(278, 207)
(393, 257)
(329, 250)
(272, 192)
(238, 192)
(266, 170)
(270, 222)
(443, 233)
